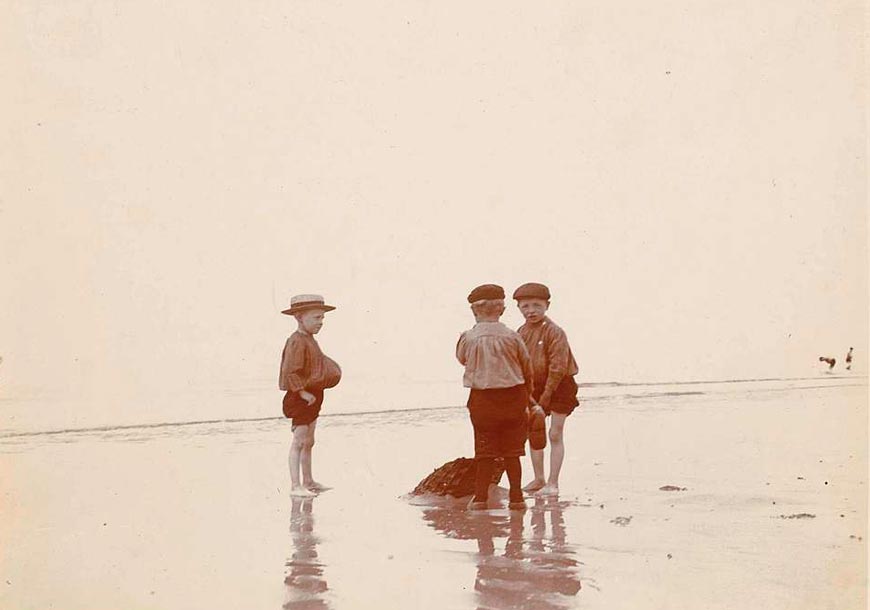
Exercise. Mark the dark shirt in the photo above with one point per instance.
(550, 355)
(304, 366)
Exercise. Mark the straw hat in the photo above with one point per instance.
(303, 302)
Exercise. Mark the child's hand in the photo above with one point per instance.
(307, 397)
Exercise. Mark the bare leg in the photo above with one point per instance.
(538, 467)
(557, 452)
(305, 461)
(307, 478)
(297, 447)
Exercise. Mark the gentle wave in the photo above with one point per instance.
(232, 420)
(621, 384)
(583, 398)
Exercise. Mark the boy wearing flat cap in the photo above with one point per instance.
(305, 372)
(553, 367)
(498, 375)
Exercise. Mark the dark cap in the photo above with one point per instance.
(486, 292)
(532, 291)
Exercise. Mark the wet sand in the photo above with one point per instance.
(769, 509)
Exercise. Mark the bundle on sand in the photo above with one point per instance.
(455, 478)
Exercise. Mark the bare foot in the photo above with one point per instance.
(548, 490)
(534, 486)
(315, 486)
(301, 492)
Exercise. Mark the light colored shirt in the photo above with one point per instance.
(550, 354)
(494, 356)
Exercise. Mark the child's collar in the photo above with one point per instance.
(544, 322)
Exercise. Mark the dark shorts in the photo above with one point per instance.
(499, 420)
(300, 411)
(564, 399)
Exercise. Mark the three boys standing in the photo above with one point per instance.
(511, 376)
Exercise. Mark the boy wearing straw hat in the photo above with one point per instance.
(305, 372)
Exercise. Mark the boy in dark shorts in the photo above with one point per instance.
(305, 373)
(498, 374)
(553, 370)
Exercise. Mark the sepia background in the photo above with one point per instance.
(690, 179)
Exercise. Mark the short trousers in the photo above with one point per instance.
(299, 411)
(499, 419)
(564, 399)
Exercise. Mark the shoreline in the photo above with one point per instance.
(11, 434)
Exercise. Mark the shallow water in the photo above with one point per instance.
(198, 516)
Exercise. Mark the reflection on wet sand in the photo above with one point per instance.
(536, 570)
(305, 585)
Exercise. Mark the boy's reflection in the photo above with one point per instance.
(540, 571)
(305, 584)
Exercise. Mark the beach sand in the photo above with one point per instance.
(770, 511)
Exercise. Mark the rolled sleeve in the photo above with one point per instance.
(462, 349)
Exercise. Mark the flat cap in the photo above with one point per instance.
(486, 292)
(532, 290)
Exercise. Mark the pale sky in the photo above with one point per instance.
(688, 178)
